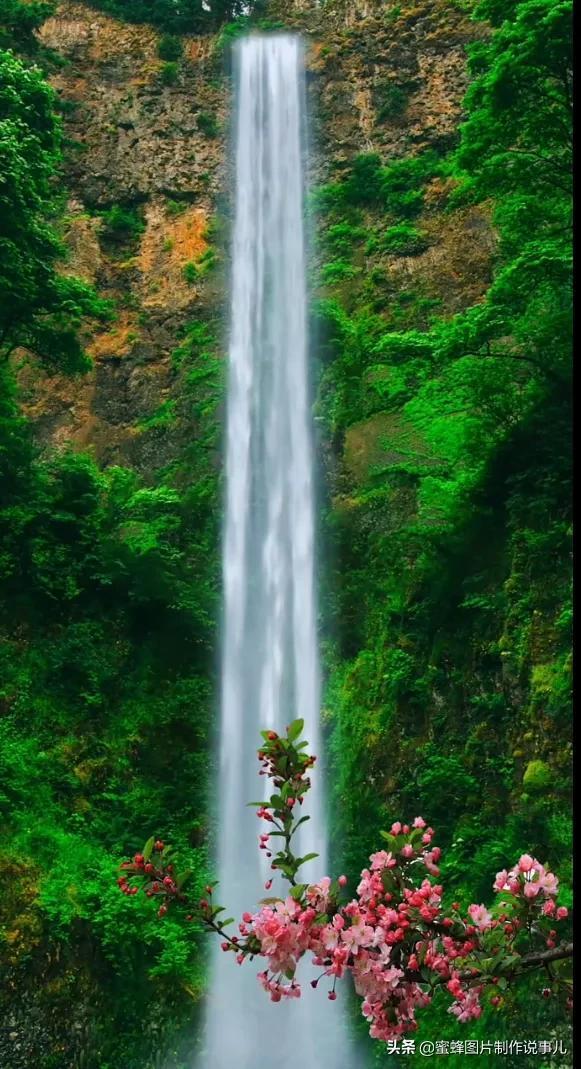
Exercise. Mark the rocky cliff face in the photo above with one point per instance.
(156, 152)
(387, 79)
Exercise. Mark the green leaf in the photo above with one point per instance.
(295, 729)
(389, 838)
(148, 848)
(183, 878)
(301, 821)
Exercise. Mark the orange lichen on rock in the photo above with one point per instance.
(117, 340)
(168, 244)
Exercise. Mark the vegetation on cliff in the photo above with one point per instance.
(447, 592)
(450, 663)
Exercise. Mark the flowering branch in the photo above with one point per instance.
(393, 936)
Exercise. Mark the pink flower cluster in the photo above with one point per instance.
(393, 937)
(528, 877)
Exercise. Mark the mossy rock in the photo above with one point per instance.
(537, 777)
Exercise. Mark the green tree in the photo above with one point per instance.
(40, 307)
(188, 16)
(19, 20)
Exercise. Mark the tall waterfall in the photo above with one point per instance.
(270, 671)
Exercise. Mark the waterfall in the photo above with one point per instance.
(270, 672)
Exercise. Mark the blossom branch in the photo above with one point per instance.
(393, 937)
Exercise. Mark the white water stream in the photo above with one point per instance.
(270, 672)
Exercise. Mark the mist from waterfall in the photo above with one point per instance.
(270, 671)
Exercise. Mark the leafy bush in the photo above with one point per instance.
(404, 240)
(342, 237)
(190, 16)
(207, 124)
(190, 272)
(18, 22)
(364, 185)
(40, 306)
(122, 224)
(169, 47)
(168, 74)
(338, 271)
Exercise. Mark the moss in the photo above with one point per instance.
(538, 777)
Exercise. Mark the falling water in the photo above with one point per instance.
(270, 658)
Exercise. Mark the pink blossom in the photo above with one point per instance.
(501, 881)
(468, 1008)
(525, 863)
(481, 916)
(382, 860)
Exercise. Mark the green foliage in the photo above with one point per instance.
(207, 124)
(169, 47)
(450, 529)
(337, 271)
(402, 239)
(19, 20)
(537, 777)
(169, 73)
(396, 189)
(190, 16)
(190, 272)
(40, 308)
(121, 225)
(107, 605)
(518, 130)
(176, 207)
(340, 238)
